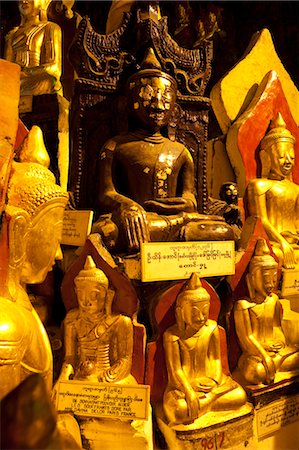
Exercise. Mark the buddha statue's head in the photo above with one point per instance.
(33, 217)
(32, 8)
(91, 286)
(152, 94)
(229, 193)
(262, 276)
(192, 305)
(277, 151)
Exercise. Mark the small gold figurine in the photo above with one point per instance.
(147, 182)
(29, 243)
(196, 382)
(275, 197)
(98, 343)
(266, 357)
(35, 45)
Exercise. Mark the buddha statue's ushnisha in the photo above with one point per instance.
(275, 197)
(266, 357)
(196, 382)
(35, 45)
(98, 343)
(146, 181)
(31, 230)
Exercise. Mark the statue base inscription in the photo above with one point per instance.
(215, 430)
(110, 416)
(161, 261)
(278, 414)
(103, 400)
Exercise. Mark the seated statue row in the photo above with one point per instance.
(266, 355)
(196, 382)
(146, 181)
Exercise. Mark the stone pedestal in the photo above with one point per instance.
(262, 395)
(216, 429)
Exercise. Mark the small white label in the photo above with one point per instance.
(76, 227)
(104, 400)
(178, 260)
(279, 414)
(290, 282)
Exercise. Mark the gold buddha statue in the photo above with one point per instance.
(146, 181)
(35, 45)
(98, 343)
(29, 243)
(266, 357)
(275, 197)
(196, 382)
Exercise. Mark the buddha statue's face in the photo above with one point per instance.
(264, 280)
(91, 295)
(153, 101)
(282, 157)
(29, 7)
(42, 243)
(195, 313)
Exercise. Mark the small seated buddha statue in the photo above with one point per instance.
(31, 230)
(98, 343)
(35, 45)
(274, 197)
(266, 357)
(146, 181)
(196, 381)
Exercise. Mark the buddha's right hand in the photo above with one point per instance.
(289, 256)
(193, 404)
(134, 223)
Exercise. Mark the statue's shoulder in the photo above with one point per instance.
(119, 319)
(71, 316)
(243, 304)
(259, 186)
(52, 26)
(172, 334)
(274, 297)
(212, 324)
(114, 142)
(13, 330)
(11, 33)
(178, 147)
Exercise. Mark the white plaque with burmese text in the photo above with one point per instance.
(290, 282)
(178, 260)
(278, 414)
(104, 400)
(76, 227)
